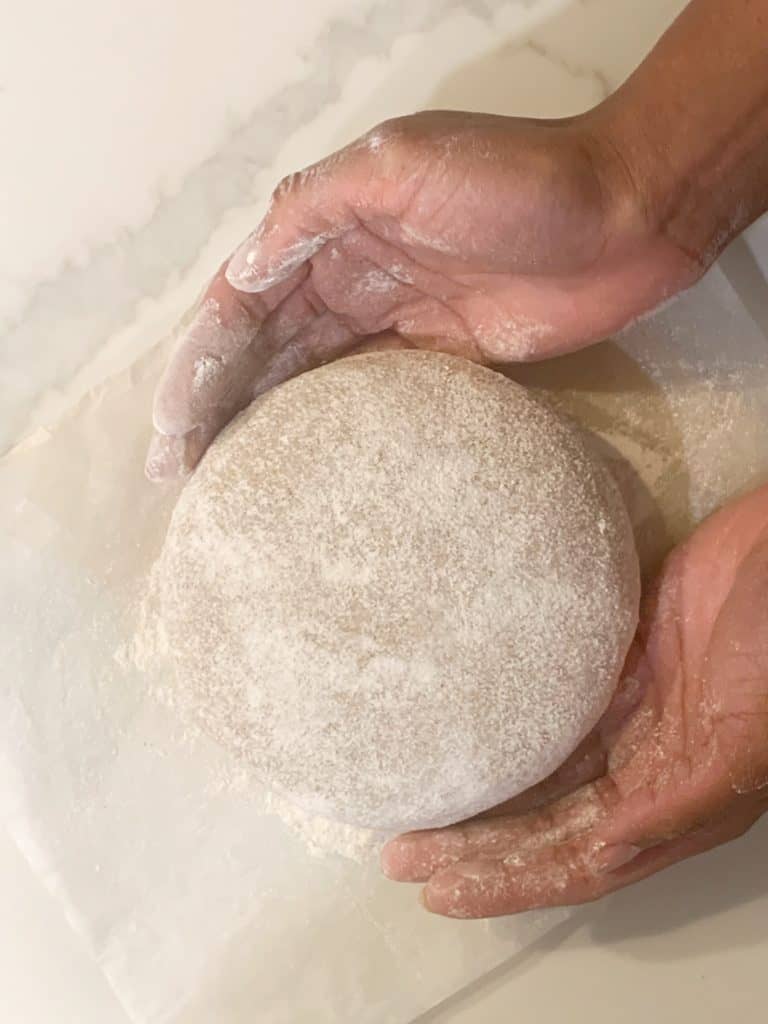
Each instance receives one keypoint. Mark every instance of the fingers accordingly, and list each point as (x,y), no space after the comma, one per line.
(416,856)
(322,339)
(238,345)
(210,374)
(169,458)
(555,875)
(196,378)
(564,801)
(739,654)
(585,764)
(313,206)
(204,371)
(588,762)
(560,875)
(554,857)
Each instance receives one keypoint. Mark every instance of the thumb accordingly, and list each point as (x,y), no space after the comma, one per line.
(369,178)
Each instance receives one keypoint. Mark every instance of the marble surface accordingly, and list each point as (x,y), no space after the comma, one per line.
(140,142)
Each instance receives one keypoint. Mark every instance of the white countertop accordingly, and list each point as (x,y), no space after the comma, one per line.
(139,143)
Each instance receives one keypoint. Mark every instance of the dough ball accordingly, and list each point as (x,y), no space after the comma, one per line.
(401,588)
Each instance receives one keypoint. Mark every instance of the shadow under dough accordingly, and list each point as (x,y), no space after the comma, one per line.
(691,893)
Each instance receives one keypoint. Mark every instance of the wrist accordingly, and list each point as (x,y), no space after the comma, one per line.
(674,193)
(690,128)
(654,252)
(629,198)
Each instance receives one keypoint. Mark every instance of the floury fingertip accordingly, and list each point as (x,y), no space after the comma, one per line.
(240,271)
(251,270)
(166,458)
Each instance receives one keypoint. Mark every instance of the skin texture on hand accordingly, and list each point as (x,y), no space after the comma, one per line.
(499,239)
(508,239)
(678,765)
(495,238)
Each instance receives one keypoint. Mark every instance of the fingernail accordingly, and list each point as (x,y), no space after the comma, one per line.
(240,269)
(165,458)
(389,860)
(460,890)
(611,858)
(251,269)
(414,857)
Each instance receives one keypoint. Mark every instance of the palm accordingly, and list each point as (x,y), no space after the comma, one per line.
(493,238)
(678,765)
(488,237)
(701,735)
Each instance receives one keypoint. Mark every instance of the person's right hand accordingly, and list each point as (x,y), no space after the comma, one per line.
(499,239)
(677,766)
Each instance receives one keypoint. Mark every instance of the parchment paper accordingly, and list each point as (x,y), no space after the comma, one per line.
(199,905)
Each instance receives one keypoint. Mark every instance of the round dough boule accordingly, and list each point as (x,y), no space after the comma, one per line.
(401,588)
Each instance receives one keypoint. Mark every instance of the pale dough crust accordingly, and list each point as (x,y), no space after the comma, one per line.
(400,587)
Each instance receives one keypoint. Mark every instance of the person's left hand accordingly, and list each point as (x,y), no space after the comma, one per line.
(498,239)
(678,765)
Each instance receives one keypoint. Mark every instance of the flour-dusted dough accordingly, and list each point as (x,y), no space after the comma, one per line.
(401,588)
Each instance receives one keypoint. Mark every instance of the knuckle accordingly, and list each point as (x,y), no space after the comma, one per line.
(607,793)
(391,127)
(286,185)
(392,132)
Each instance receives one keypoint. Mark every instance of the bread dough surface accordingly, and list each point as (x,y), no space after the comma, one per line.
(401,588)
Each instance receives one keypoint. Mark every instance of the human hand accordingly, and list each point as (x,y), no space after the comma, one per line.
(499,239)
(678,765)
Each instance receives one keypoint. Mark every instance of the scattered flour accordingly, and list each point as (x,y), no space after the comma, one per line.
(207,368)
(148,650)
(321,836)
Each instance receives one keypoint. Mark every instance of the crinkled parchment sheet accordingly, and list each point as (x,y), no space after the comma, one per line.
(199,904)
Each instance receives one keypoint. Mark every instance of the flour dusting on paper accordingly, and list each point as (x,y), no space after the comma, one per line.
(147,650)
